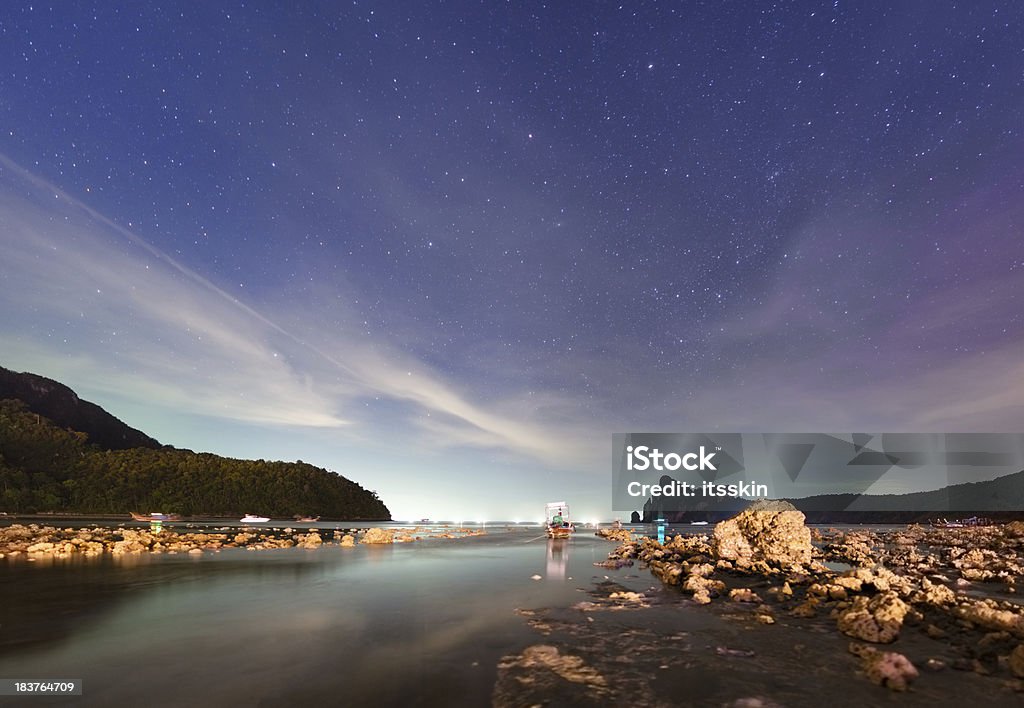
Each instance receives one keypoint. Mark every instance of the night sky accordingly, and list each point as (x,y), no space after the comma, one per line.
(447,249)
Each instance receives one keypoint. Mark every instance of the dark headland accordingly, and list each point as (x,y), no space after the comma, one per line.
(61,454)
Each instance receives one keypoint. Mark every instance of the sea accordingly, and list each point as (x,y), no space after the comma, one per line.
(427,623)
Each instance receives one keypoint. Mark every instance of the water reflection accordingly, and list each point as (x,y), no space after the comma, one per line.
(558,558)
(422,623)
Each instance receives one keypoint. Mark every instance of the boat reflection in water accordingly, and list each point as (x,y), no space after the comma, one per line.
(558,558)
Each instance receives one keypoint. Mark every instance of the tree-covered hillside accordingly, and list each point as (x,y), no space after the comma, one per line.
(47,468)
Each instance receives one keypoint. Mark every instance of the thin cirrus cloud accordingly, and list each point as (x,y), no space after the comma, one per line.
(92,302)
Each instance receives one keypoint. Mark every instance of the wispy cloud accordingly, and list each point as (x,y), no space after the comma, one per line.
(99,304)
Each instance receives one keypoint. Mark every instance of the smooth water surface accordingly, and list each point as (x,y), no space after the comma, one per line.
(420,624)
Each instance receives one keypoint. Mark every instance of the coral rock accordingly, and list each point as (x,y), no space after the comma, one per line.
(769,532)
(888,669)
(876,620)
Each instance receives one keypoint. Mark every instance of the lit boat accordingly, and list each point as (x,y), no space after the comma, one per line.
(556,518)
(968,523)
(252,519)
(155,517)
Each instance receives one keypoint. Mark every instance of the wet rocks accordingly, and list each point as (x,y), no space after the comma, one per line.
(36,542)
(992,615)
(769,532)
(889,669)
(920,577)
(378,536)
(743,595)
(310,540)
(934,594)
(541,671)
(877,619)
(621,535)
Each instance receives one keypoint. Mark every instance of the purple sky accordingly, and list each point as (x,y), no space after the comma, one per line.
(448,249)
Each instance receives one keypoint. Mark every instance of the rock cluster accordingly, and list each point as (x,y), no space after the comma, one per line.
(920,580)
(620,535)
(35,541)
(768,532)
(877,619)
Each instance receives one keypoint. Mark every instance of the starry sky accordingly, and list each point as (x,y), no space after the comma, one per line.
(448,248)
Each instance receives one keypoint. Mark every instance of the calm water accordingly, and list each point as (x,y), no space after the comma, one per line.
(420,624)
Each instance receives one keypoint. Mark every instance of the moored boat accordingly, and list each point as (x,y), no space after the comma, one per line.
(969,523)
(556,519)
(253,519)
(306,519)
(154,517)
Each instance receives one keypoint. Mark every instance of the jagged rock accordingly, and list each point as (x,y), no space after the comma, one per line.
(987,614)
(770,532)
(932,594)
(881,579)
(689,545)
(348,540)
(743,595)
(849,583)
(878,619)
(805,609)
(888,669)
(133,542)
(622,535)
(827,591)
(310,540)
(378,536)
(702,596)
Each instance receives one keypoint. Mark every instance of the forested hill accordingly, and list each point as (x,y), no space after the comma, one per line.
(63,406)
(46,467)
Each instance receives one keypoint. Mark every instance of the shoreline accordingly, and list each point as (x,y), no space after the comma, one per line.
(34,541)
(915,610)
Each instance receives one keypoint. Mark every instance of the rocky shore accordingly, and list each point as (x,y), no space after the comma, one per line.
(34,541)
(955,587)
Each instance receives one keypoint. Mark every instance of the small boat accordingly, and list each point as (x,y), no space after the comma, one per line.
(306,519)
(155,517)
(968,523)
(252,519)
(556,519)
(698,523)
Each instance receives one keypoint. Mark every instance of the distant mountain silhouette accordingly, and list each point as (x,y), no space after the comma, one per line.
(1000,498)
(63,407)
